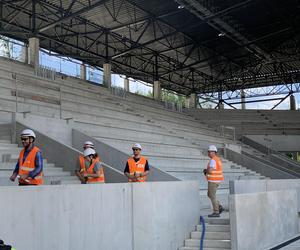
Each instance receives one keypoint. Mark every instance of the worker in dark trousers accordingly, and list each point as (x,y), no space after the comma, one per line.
(5,247)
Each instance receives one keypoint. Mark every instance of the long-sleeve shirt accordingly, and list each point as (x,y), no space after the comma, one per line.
(38,164)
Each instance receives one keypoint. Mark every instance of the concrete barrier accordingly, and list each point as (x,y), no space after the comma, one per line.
(110,217)
(254,186)
(262,220)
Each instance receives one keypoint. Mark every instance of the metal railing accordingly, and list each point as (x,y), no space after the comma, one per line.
(45,72)
(117,91)
(224,129)
(175,106)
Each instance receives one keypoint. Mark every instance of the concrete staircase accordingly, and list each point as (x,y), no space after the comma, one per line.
(9,154)
(217,235)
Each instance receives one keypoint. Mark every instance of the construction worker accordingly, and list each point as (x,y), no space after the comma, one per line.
(82,165)
(214,176)
(29,168)
(5,247)
(137,167)
(93,172)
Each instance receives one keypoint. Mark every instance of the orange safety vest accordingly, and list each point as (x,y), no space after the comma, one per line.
(82,164)
(137,167)
(29,165)
(90,170)
(217,174)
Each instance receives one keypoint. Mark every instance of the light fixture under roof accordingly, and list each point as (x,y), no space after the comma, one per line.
(180,7)
(221,34)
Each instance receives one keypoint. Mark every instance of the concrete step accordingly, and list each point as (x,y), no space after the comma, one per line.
(221,244)
(11,165)
(197,248)
(48,180)
(211,235)
(217,221)
(46,172)
(214,228)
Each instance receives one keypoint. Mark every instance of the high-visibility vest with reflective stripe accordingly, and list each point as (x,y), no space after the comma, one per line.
(29,165)
(137,167)
(90,170)
(82,163)
(216,175)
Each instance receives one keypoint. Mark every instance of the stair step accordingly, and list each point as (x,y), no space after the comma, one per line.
(217,221)
(222,244)
(214,228)
(211,235)
(197,248)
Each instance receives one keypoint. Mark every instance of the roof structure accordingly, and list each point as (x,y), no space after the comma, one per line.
(191,46)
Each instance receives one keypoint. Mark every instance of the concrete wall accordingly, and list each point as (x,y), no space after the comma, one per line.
(282,143)
(156,216)
(61,130)
(114,157)
(262,220)
(65,156)
(254,186)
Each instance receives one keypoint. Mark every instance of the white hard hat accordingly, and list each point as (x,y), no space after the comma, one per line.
(212,148)
(89,151)
(88,144)
(137,145)
(28,133)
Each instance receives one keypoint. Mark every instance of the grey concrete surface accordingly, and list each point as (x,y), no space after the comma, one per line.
(111,217)
(281,143)
(261,220)
(61,130)
(257,166)
(164,228)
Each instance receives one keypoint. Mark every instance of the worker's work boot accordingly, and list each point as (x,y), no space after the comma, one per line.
(214,215)
(221,209)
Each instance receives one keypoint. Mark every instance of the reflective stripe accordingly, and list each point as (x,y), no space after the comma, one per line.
(216,176)
(26,168)
(216,172)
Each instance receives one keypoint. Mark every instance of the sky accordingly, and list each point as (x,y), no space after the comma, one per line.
(72,67)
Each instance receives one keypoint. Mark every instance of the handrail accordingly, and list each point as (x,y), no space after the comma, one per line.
(202,222)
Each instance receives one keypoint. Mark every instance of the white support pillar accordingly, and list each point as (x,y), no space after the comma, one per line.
(292,102)
(34,51)
(157,90)
(126,84)
(191,101)
(107,75)
(243,99)
(82,72)
(221,105)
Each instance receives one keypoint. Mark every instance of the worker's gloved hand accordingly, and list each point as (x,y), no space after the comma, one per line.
(204,171)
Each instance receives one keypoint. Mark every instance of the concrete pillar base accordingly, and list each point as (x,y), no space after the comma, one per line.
(221,105)
(34,52)
(292,102)
(243,104)
(126,84)
(157,90)
(191,101)
(107,75)
(82,72)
